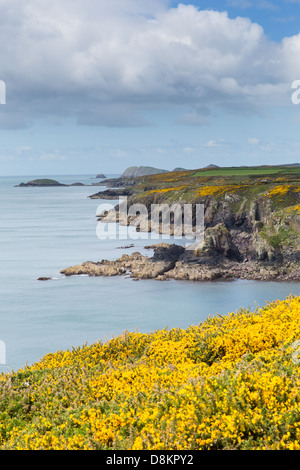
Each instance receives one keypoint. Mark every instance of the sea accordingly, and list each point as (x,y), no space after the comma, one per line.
(43,230)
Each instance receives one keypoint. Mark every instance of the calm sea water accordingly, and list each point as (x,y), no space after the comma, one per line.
(43,230)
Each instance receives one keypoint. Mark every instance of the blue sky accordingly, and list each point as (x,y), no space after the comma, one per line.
(279,18)
(97,86)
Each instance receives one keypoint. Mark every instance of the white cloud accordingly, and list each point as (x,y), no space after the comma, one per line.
(212,143)
(253,141)
(23,148)
(106,62)
(52,156)
(5,158)
(192,119)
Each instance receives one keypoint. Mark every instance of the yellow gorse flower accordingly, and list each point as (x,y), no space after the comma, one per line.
(282,189)
(229,383)
(218,190)
(166,190)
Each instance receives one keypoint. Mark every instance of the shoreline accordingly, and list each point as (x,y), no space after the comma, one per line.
(170,261)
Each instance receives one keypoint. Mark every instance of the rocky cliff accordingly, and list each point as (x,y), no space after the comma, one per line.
(252,224)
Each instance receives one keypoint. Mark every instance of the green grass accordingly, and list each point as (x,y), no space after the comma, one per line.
(233,171)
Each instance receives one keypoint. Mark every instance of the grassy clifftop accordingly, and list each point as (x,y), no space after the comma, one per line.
(192,185)
(281,184)
(229,383)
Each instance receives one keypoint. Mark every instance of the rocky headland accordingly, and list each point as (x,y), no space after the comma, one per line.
(251,218)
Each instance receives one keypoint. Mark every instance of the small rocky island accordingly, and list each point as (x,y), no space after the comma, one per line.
(50,183)
(43,182)
(251,217)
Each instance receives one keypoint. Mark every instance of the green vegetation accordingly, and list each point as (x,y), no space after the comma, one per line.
(278,238)
(45,182)
(248,171)
(247,183)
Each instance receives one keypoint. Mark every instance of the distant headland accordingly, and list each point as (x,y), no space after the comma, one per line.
(136,171)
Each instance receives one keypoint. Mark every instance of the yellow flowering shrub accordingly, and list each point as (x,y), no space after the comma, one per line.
(231,382)
(166,190)
(217,190)
(170,176)
(295,209)
(283,189)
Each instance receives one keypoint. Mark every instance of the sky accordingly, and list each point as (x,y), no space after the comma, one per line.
(93,86)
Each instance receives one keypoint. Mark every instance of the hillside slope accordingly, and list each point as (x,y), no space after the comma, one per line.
(229,383)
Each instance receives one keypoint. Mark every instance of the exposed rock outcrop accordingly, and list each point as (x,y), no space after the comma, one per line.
(136,265)
(175,262)
(111,194)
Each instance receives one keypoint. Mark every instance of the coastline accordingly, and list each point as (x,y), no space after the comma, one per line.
(251,226)
(56,310)
(170,261)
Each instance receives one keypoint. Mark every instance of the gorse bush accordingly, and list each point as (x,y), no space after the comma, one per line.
(229,383)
